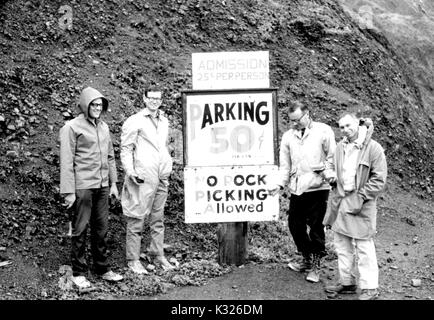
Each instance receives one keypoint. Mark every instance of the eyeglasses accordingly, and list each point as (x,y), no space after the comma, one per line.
(299,119)
(96,105)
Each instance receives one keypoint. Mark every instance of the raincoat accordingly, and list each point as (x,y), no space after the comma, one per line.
(144,154)
(86,151)
(355,214)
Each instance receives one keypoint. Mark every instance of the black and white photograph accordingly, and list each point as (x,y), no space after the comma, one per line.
(217,158)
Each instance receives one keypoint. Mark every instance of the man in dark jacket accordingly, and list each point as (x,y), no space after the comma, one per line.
(88,177)
(361,172)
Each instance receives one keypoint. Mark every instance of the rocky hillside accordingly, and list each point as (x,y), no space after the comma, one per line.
(408,25)
(319,54)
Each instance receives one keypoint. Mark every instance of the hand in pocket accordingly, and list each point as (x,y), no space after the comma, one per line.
(353,203)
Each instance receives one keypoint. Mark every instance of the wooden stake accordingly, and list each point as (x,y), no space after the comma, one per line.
(232,239)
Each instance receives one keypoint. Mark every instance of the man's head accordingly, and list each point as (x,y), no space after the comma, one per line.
(152,99)
(349,126)
(95,108)
(299,117)
(90,95)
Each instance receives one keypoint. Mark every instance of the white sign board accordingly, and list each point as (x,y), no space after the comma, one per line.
(227,128)
(229,194)
(230,70)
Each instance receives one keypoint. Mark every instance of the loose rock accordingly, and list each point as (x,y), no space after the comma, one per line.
(416,282)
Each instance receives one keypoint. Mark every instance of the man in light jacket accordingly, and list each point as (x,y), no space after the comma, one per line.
(147,164)
(88,177)
(361,172)
(306,155)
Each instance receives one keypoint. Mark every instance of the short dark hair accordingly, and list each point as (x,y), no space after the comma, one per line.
(146,92)
(294,105)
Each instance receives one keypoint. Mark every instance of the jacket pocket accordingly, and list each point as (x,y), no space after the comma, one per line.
(306,181)
(352,204)
(332,212)
(363,173)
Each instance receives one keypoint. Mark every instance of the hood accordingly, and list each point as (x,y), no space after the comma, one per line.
(86,97)
(369,125)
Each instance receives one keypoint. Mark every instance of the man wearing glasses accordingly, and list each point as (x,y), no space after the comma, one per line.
(147,164)
(306,155)
(88,177)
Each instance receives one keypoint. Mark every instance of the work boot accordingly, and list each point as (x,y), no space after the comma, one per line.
(340,288)
(112,276)
(136,267)
(81,282)
(313,275)
(163,263)
(300,264)
(369,294)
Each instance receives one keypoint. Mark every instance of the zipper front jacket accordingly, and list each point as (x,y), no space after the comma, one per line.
(86,150)
(301,155)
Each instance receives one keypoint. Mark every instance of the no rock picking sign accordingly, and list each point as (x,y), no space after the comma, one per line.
(220,194)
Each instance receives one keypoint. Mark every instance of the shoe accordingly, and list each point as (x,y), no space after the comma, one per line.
(136,267)
(81,282)
(112,276)
(163,263)
(339,288)
(313,275)
(300,265)
(369,294)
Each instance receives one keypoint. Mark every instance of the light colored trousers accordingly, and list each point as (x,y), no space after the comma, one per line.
(347,250)
(156,223)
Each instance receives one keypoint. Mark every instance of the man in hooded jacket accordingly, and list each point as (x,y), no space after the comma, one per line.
(147,164)
(88,177)
(361,172)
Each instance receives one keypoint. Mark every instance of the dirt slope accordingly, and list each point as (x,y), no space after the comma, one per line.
(318,54)
(408,25)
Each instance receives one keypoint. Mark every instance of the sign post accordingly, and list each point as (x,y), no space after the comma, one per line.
(230,147)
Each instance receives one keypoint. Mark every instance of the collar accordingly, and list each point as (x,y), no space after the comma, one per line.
(146,112)
(83,116)
(306,131)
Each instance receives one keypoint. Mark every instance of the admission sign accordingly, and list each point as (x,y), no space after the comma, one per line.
(230,70)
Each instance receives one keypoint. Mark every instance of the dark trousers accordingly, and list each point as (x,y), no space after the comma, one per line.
(91,207)
(308,209)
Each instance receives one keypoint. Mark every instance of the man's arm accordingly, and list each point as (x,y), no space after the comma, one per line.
(67,155)
(378,175)
(329,147)
(128,141)
(285,162)
(113,174)
(283,175)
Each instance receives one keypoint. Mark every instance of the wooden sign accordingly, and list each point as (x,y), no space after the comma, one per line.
(227,127)
(229,194)
(230,70)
